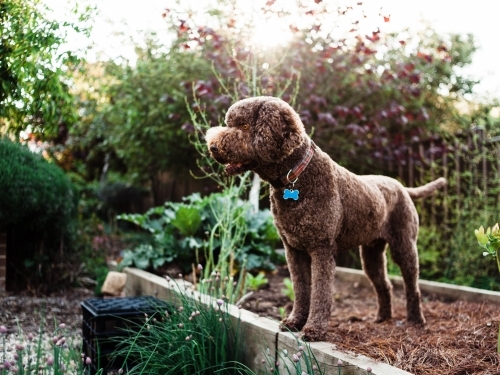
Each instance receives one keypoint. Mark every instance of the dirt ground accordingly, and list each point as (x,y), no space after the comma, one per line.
(25,310)
(459,337)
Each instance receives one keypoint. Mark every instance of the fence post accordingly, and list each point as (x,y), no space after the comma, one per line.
(498,169)
(410,165)
(445,190)
(433,198)
(457,171)
(485,166)
(421,154)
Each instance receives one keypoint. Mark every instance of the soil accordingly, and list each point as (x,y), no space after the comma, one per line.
(459,338)
(26,310)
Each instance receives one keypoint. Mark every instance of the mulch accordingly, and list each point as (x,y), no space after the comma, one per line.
(459,337)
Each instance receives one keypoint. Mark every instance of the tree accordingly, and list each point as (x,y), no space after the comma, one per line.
(35,68)
(135,117)
(364,96)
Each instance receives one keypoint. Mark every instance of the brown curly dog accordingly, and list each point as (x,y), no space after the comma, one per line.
(320,208)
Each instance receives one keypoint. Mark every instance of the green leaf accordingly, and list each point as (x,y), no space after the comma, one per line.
(187,220)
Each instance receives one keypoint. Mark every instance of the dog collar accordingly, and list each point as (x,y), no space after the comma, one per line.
(294,173)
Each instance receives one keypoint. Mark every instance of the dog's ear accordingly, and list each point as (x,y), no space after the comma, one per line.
(279,130)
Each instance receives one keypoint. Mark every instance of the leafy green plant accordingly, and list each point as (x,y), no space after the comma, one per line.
(288,291)
(197,230)
(490,241)
(256,282)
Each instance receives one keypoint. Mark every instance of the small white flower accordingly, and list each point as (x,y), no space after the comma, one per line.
(485,253)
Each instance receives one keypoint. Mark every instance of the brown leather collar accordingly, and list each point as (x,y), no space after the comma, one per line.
(295,172)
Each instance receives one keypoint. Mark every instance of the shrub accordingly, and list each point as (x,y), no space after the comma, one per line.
(38,206)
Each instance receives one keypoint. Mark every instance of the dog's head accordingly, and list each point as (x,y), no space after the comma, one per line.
(259,131)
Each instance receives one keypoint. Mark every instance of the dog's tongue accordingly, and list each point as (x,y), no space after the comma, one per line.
(234,168)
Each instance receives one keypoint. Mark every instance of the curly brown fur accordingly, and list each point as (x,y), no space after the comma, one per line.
(336,211)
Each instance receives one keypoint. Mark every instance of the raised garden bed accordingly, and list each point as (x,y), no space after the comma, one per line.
(460,337)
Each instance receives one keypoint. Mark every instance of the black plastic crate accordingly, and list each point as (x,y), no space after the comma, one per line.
(106,319)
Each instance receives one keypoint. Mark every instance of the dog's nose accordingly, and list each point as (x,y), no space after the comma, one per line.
(213,148)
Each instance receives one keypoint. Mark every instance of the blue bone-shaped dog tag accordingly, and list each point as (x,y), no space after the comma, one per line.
(291,194)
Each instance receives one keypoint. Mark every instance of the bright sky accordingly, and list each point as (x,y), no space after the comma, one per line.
(479,17)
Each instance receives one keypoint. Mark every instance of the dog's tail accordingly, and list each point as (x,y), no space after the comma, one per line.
(427,189)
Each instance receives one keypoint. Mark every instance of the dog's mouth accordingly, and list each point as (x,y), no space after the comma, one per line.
(237,168)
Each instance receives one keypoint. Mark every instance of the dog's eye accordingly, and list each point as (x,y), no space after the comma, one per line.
(245,127)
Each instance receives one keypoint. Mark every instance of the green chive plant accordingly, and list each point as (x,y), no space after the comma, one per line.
(28,354)
(198,336)
(202,334)
(302,362)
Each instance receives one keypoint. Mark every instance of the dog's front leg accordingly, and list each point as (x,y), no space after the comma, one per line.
(299,264)
(322,274)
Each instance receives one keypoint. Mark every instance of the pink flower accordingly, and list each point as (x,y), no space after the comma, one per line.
(3,329)
(88,361)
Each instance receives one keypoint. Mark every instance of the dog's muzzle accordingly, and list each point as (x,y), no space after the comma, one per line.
(232,168)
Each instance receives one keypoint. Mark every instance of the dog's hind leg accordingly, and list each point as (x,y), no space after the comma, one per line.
(405,255)
(374,263)
(299,264)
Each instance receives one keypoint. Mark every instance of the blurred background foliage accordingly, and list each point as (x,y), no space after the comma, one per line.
(117,128)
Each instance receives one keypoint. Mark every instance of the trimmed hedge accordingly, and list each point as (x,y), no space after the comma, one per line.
(33,192)
(38,206)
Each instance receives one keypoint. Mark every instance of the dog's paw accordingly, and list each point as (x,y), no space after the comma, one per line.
(382,318)
(311,333)
(416,320)
(291,324)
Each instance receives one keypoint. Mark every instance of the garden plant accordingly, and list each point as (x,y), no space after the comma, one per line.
(490,241)
(28,354)
(203,334)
